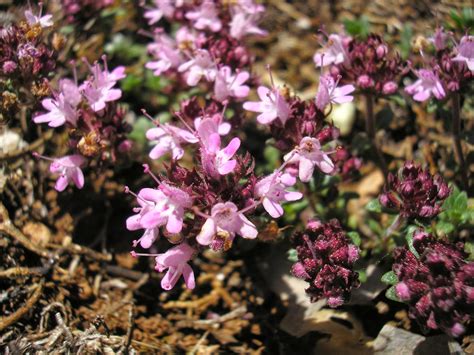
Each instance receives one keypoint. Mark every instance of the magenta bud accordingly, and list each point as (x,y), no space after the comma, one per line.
(381,51)
(9,67)
(365,82)
(389,88)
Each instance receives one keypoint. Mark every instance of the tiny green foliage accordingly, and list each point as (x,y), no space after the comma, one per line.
(389,278)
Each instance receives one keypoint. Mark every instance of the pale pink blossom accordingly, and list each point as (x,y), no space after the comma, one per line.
(207,125)
(226,220)
(272,105)
(98,90)
(134,222)
(273,191)
(309,155)
(334,52)
(165,51)
(198,66)
(440,39)
(189,38)
(43,21)
(175,260)
(162,8)
(160,207)
(428,84)
(169,138)
(206,16)
(63,108)
(229,85)
(329,92)
(244,21)
(217,161)
(465,52)
(69,170)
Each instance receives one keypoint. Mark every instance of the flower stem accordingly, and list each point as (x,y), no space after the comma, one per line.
(370,129)
(456,102)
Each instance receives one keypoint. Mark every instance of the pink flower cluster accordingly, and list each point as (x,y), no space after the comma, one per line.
(326,257)
(450,69)
(88,109)
(212,201)
(414,192)
(438,283)
(207,45)
(366,63)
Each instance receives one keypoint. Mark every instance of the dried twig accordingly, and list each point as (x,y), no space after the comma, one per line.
(7,227)
(18,314)
(28,149)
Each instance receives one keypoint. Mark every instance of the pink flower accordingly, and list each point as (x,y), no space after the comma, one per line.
(271,106)
(63,108)
(328,92)
(175,260)
(208,125)
(205,16)
(199,66)
(134,222)
(334,53)
(465,52)
(245,22)
(99,89)
(43,21)
(159,207)
(169,139)
(164,49)
(227,84)
(427,84)
(273,190)
(309,155)
(440,38)
(227,220)
(162,8)
(69,169)
(217,161)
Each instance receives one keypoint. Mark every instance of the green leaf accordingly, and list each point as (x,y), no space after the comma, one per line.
(374,206)
(406,37)
(389,278)
(355,237)
(292,255)
(444,228)
(392,295)
(359,27)
(362,275)
(469,249)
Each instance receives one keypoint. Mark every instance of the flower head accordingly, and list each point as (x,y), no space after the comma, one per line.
(335,51)
(272,105)
(200,66)
(228,85)
(465,52)
(175,260)
(326,258)
(63,108)
(217,161)
(437,284)
(310,155)
(414,192)
(159,207)
(273,190)
(329,92)
(244,21)
(162,8)
(169,138)
(206,16)
(165,52)
(226,221)
(428,84)
(43,21)
(98,90)
(68,168)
